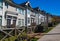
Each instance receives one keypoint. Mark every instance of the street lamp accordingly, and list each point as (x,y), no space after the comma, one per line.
(26,14)
(26,17)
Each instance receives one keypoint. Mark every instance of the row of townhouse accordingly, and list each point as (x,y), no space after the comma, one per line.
(20,15)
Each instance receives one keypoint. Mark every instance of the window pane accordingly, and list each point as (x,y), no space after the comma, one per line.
(19,10)
(22,22)
(19,22)
(23,12)
(8,23)
(28,20)
(28,11)
(1,4)
(6,4)
(9,17)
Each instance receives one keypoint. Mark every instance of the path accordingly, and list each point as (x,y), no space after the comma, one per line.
(53,35)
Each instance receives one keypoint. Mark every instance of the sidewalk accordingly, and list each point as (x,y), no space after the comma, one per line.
(53,35)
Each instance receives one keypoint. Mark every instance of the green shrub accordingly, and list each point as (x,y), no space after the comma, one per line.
(34,39)
(48,30)
(6,39)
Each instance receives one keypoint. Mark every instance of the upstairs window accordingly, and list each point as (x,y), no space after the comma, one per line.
(22,12)
(19,10)
(28,11)
(6,4)
(1,4)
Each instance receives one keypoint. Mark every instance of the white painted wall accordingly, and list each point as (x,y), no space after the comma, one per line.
(12,9)
(49,19)
(1,11)
(3,15)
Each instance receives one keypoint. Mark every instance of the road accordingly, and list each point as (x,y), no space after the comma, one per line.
(53,35)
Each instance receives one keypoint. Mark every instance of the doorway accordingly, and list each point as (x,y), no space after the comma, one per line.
(14,23)
(8,23)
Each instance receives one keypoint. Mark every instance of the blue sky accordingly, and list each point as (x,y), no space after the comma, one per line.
(50,6)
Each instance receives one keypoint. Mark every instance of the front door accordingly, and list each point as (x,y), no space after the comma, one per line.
(14,23)
(8,23)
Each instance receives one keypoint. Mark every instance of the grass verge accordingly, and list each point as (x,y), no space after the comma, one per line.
(49,29)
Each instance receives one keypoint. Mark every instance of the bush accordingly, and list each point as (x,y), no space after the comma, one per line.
(39,28)
(1,35)
(50,24)
(48,30)
(34,39)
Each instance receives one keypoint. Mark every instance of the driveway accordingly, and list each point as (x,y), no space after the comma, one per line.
(53,35)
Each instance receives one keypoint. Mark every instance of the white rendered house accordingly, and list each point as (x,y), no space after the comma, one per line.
(10,14)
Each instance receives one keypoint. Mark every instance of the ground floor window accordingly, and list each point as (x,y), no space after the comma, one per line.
(8,23)
(22,22)
(14,23)
(19,22)
(28,20)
